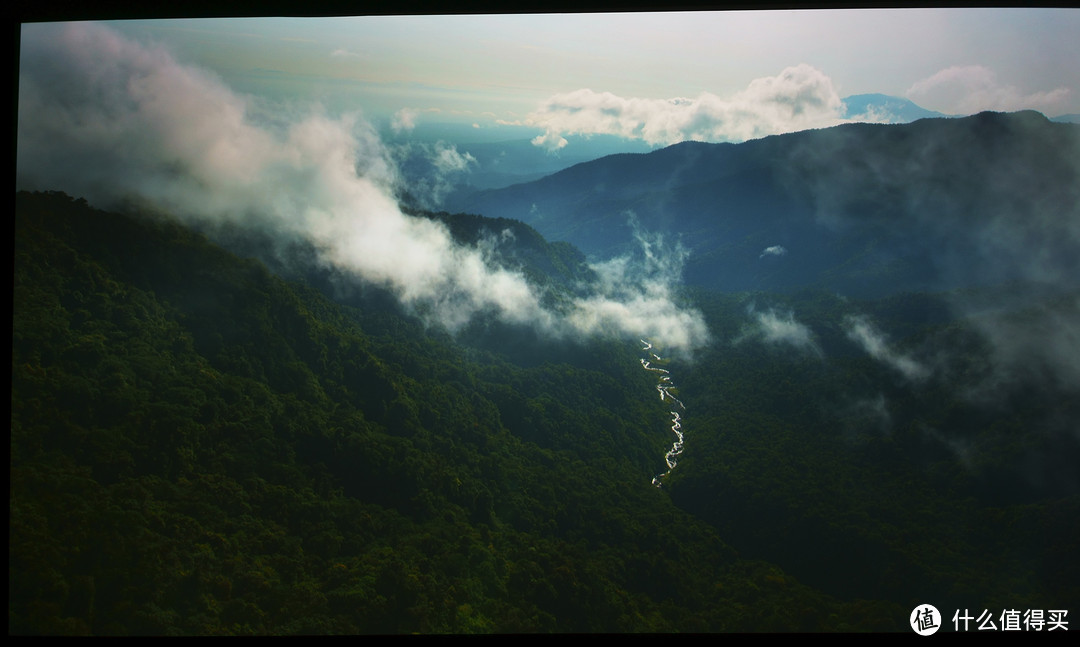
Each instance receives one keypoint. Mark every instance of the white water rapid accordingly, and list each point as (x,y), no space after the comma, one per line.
(664,386)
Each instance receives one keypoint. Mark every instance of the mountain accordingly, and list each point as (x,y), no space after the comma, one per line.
(862,209)
(200,445)
(435,168)
(885,109)
(503,163)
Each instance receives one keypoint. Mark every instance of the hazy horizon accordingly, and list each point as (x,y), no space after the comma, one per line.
(660,77)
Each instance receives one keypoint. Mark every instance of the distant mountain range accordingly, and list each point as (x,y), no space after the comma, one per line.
(862,209)
(886,109)
(505,155)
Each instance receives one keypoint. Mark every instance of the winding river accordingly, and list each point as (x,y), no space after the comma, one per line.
(664,386)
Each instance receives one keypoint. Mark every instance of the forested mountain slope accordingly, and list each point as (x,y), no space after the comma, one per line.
(199,447)
(934,470)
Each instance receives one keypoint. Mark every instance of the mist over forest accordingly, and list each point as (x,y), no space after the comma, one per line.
(295,372)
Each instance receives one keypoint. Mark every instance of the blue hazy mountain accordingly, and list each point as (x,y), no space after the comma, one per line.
(866,209)
(885,109)
(488,158)
(509,162)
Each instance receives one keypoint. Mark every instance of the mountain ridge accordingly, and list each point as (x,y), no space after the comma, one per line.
(829,197)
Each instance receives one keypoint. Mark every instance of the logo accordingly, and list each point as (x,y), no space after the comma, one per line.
(925,619)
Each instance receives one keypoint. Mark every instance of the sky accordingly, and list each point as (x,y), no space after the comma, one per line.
(655,76)
(280,124)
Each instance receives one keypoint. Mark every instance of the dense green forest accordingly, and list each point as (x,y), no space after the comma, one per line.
(862,483)
(200,445)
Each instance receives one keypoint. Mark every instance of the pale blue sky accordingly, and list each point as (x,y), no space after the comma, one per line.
(483,68)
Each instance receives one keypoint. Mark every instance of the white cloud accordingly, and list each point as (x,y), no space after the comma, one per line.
(873,341)
(634,296)
(968,89)
(435,170)
(773,328)
(878,115)
(448,160)
(404,120)
(775,250)
(549,141)
(798,98)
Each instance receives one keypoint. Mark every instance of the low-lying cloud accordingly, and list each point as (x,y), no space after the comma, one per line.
(117,122)
(1032,343)
(431,171)
(775,250)
(774,328)
(873,341)
(799,98)
(404,120)
(635,294)
(967,89)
